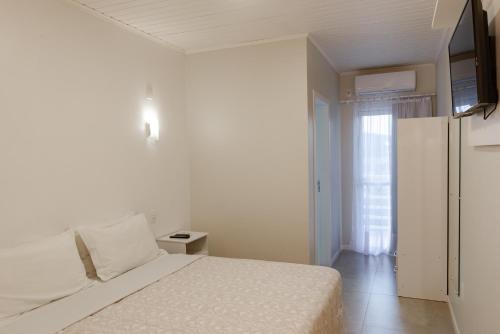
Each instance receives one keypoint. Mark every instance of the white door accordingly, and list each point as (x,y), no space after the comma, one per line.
(322,177)
(422,207)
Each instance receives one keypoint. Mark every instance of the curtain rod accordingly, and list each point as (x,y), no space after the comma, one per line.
(386,98)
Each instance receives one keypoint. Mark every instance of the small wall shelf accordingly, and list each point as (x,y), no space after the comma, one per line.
(197,244)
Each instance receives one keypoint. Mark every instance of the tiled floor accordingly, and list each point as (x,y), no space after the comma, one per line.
(371,305)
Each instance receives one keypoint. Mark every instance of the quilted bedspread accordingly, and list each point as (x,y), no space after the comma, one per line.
(220,295)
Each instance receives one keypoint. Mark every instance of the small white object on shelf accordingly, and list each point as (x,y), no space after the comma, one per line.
(197,244)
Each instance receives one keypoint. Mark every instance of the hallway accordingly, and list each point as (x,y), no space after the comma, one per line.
(371,305)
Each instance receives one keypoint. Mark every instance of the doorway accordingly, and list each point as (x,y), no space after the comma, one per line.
(322,182)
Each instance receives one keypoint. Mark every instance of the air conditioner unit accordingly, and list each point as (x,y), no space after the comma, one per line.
(393,82)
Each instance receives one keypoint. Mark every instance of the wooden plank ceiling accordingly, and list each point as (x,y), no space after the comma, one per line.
(354,34)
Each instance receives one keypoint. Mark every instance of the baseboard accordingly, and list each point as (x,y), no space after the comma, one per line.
(335,257)
(453,318)
(346,247)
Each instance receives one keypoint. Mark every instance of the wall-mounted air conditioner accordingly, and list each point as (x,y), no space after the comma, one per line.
(393,82)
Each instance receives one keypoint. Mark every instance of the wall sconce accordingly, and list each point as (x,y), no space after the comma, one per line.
(150,117)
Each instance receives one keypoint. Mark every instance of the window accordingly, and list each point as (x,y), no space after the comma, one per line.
(373,178)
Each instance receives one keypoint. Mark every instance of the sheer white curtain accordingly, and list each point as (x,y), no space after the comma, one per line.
(372,173)
(413,107)
(375,171)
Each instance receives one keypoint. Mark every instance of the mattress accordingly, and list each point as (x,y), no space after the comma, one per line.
(220,295)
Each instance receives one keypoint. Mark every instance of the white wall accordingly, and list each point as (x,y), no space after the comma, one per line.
(426,83)
(74,149)
(72,144)
(476,308)
(323,79)
(247,116)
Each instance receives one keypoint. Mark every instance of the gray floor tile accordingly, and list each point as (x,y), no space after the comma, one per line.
(353,283)
(386,263)
(371,305)
(408,315)
(380,330)
(356,269)
(353,327)
(355,305)
(352,258)
(385,283)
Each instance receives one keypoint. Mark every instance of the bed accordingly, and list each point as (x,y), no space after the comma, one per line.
(198,294)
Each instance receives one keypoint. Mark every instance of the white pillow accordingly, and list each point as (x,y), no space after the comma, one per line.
(37,273)
(84,252)
(118,248)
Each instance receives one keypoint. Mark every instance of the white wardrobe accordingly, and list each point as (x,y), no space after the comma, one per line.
(422,208)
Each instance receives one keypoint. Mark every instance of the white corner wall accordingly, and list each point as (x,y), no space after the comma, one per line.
(475,310)
(72,141)
(247,116)
(323,79)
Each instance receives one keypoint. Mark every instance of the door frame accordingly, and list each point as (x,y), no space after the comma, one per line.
(313,177)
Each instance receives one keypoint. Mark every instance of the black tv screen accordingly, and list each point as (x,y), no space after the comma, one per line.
(473,82)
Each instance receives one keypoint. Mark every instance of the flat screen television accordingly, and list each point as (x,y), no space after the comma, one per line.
(472,63)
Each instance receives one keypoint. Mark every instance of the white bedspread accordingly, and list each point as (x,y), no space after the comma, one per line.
(57,315)
(219,295)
